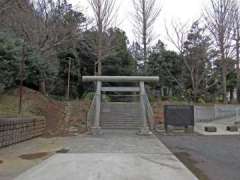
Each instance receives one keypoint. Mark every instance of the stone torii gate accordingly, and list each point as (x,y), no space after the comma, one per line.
(94,115)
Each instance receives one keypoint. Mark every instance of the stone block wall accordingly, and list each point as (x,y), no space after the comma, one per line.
(15,130)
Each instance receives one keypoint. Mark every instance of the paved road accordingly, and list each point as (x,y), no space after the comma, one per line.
(210,157)
(118,155)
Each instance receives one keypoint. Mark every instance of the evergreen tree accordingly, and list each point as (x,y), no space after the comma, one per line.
(120,61)
(11,53)
(167,65)
(198,60)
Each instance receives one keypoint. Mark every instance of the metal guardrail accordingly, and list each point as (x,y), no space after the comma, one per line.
(91,113)
(222,113)
(216,113)
(149,112)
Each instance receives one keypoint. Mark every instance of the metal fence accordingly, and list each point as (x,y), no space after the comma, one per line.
(91,113)
(13,130)
(149,112)
(217,113)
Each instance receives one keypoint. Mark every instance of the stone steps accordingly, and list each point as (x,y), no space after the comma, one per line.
(123,121)
(121,116)
(122,127)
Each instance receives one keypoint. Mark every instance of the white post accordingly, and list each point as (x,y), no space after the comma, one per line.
(237,109)
(145,128)
(96,129)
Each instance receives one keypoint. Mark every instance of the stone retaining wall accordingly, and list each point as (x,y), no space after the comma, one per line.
(15,130)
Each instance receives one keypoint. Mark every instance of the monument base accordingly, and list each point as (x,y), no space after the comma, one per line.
(96,131)
(144,132)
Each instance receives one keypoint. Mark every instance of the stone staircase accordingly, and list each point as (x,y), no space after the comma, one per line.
(120,115)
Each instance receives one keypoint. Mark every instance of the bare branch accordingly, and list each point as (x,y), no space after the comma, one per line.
(146,14)
(177,34)
(105,14)
(219,19)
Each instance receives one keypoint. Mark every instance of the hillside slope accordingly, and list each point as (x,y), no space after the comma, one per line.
(61,120)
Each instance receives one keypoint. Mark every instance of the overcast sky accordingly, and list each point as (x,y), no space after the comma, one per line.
(172,10)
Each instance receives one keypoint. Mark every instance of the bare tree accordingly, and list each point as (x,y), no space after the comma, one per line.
(104,14)
(43,26)
(194,47)
(219,20)
(198,57)
(177,34)
(5,4)
(146,14)
(236,39)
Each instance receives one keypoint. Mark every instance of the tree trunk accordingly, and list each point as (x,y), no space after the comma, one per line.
(99,58)
(224,74)
(194,96)
(99,67)
(99,53)
(21,80)
(238,66)
(231,95)
(194,88)
(144,32)
(95,68)
(69,78)
(43,87)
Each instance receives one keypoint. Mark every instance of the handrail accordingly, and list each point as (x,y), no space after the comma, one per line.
(91,113)
(149,112)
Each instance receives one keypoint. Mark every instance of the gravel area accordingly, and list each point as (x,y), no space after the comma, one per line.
(208,157)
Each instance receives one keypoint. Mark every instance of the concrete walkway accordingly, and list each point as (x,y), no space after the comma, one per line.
(117,155)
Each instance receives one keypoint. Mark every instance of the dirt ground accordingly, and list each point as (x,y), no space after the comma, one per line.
(62,118)
(208,157)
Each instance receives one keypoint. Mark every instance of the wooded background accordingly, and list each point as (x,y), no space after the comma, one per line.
(47,45)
